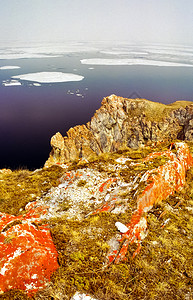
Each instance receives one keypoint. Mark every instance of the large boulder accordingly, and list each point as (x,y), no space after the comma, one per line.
(28,256)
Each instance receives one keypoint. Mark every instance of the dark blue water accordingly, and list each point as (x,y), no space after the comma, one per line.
(30,115)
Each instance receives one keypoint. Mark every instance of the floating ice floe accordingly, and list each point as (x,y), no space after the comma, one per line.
(42,50)
(49,77)
(25,55)
(9,67)
(132,61)
(168,51)
(124,52)
(36,84)
(11,83)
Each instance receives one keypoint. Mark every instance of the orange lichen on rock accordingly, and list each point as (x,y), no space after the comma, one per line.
(106,184)
(28,256)
(163,182)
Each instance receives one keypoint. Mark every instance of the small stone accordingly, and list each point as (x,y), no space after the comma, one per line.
(81,296)
(121,227)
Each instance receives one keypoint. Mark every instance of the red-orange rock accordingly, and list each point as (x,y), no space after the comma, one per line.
(28,256)
(164,181)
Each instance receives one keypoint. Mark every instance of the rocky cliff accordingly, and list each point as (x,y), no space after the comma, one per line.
(120,123)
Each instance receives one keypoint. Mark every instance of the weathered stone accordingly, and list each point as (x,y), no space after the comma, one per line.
(28,256)
(120,123)
(163,182)
(82,296)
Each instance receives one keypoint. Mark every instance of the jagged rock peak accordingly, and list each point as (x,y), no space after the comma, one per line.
(120,123)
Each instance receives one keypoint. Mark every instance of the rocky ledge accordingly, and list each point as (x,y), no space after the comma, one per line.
(121,123)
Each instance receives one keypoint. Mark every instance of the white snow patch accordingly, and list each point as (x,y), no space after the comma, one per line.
(9,67)
(49,77)
(131,61)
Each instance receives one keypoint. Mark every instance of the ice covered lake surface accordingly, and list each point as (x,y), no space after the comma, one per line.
(33,108)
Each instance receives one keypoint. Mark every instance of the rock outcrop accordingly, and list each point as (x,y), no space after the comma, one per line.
(161,183)
(120,123)
(27,253)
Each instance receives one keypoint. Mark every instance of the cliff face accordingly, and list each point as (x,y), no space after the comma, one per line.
(120,123)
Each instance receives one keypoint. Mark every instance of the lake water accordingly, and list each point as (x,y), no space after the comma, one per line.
(30,115)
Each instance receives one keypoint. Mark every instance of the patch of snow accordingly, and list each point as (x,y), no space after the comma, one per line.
(9,67)
(131,61)
(49,77)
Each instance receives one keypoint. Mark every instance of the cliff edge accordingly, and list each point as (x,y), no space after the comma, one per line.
(123,123)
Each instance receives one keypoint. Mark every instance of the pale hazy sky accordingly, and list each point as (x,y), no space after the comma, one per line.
(159,21)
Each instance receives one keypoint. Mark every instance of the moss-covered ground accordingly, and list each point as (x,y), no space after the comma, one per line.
(22,186)
(162,270)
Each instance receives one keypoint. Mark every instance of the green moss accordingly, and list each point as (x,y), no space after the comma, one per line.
(14,295)
(22,186)
(81,183)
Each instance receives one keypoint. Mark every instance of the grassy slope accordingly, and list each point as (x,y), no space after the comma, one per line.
(162,270)
(158,111)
